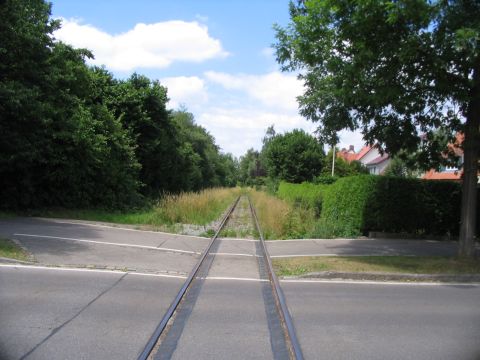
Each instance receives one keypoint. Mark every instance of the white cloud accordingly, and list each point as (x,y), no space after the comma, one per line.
(268,52)
(275,90)
(237,130)
(348,138)
(145,46)
(201,18)
(190,90)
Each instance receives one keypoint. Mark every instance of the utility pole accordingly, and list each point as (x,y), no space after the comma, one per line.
(333,161)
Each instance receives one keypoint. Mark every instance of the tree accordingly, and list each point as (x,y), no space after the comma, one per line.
(228,170)
(294,157)
(60,146)
(393,70)
(203,164)
(140,104)
(251,167)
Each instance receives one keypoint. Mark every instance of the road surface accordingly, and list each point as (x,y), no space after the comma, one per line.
(71,312)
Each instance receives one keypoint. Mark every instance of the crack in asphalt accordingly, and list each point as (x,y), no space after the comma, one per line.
(163,242)
(58,328)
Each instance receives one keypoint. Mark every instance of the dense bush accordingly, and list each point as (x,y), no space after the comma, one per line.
(325,180)
(358,204)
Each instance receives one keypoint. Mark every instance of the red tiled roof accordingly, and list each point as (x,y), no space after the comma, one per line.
(347,156)
(350,156)
(449,175)
(363,151)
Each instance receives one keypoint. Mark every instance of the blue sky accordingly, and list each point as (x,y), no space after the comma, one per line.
(214,56)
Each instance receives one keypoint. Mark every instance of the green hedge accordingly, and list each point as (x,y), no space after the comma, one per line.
(358,204)
(306,194)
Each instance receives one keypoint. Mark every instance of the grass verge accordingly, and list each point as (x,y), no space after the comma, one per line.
(199,208)
(9,249)
(389,264)
(6,215)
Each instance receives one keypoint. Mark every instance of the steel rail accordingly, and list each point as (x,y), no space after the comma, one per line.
(173,306)
(278,294)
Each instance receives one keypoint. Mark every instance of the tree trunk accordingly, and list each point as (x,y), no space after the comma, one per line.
(471,147)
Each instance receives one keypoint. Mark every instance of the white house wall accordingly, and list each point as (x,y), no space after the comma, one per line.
(371,155)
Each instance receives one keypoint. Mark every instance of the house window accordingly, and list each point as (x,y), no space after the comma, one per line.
(454,168)
(451,168)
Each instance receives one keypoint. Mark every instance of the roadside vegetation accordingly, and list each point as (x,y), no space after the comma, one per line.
(8,249)
(354,206)
(351,84)
(74,136)
(279,219)
(198,208)
(388,264)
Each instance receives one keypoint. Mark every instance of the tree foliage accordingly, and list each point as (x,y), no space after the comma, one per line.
(251,168)
(394,70)
(59,145)
(74,136)
(203,164)
(293,157)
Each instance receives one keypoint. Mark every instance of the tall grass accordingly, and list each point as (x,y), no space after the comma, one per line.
(195,208)
(279,219)
(199,208)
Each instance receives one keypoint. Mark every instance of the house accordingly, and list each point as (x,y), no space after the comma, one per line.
(348,155)
(369,156)
(452,173)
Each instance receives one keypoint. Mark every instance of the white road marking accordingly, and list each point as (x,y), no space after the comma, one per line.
(102,271)
(109,243)
(344,255)
(306,281)
(122,228)
(106,271)
(232,254)
(370,282)
(312,240)
(234,278)
(158,275)
(361,239)
(237,239)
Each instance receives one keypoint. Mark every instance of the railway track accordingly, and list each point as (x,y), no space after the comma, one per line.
(181,305)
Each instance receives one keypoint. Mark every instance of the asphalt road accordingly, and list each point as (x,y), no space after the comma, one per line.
(57,242)
(380,321)
(230,314)
(57,314)
(72,314)
(79,243)
(100,232)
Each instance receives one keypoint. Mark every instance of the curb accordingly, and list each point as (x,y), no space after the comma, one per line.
(379,276)
(92,267)
(4,260)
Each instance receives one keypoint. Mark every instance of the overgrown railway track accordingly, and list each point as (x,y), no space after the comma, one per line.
(197,274)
